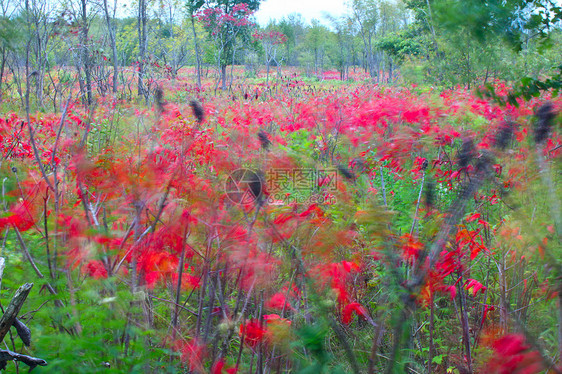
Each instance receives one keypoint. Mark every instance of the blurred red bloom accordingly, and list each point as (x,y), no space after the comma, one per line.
(253,332)
(193,353)
(278,301)
(20,216)
(514,355)
(220,368)
(348,310)
(95,269)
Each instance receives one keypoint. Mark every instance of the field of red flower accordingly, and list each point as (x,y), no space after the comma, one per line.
(290,228)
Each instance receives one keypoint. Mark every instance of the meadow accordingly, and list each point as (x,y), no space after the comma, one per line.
(306,225)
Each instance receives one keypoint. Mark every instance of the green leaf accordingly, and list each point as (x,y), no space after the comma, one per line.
(437,360)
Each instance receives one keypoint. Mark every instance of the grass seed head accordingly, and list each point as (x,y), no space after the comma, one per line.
(263,137)
(504,135)
(466,153)
(159,98)
(198,111)
(347,174)
(545,114)
(430,195)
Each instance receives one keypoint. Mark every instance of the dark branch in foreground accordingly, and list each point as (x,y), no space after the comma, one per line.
(32,362)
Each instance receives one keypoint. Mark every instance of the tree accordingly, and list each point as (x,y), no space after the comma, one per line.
(10,33)
(293,28)
(84,50)
(474,40)
(316,40)
(270,41)
(142,31)
(36,21)
(193,6)
(226,20)
(171,37)
(344,36)
(110,22)
(366,15)
(510,19)
(391,20)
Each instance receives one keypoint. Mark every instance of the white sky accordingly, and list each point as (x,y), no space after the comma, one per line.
(309,9)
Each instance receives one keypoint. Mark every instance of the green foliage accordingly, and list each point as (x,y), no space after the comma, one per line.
(402,44)
(471,42)
(509,19)
(92,332)
(527,89)
(11,32)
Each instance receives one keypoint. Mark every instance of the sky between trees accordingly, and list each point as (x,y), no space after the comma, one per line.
(309,9)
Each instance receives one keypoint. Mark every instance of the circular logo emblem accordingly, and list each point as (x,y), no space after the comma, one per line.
(243,186)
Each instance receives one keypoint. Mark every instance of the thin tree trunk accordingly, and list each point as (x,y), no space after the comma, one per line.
(560,323)
(503,295)
(431,328)
(85,55)
(141,29)
(464,322)
(267,72)
(2,65)
(28,46)
(111,32)
(223,76)
(38,90)
(197,54)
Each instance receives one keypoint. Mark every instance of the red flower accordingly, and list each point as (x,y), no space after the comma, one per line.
(473,217)
(20,216)
(252,332)
(513,355)
(278,301)
(475,285)
(193,353)
(95,269)
(411,247)
(220,367)
(348,310)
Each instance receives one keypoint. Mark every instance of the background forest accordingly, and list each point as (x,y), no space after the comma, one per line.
(417,41)
(185,191)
